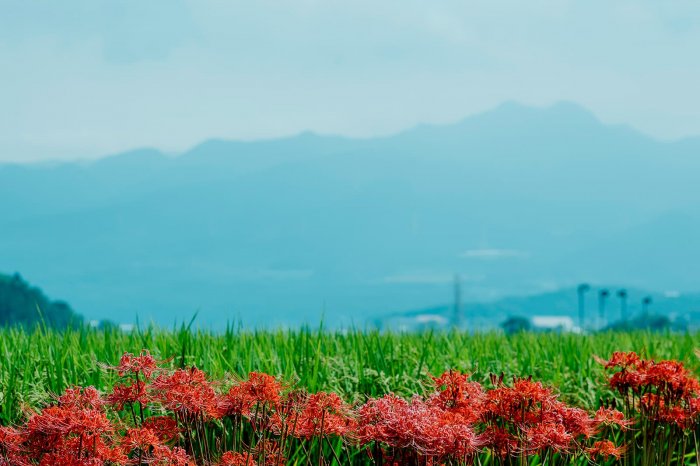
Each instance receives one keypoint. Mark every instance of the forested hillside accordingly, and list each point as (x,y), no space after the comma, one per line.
(26,305)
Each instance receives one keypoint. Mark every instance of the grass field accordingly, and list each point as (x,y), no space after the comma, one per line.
(353,364)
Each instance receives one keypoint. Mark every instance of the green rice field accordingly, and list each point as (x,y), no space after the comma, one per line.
(355,364)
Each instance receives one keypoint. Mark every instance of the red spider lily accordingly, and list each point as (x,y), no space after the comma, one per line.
(500,441)
(237,402)
(263,388)
(673,378)
(236,459)
(632,371)
(527,418)
(187,392)
(84,450)
(61,460)
(270,452)
(164,456)
(123,394)
(626,380)
(387,420)
(323,414)
(524,402)
(684,415)
(260,389)
(668,377)
(293,402)
(612,417)
(145,445)
(81,398)
(680,416)
(285,416)
(70,459)
(667,388)
(652,402)
(606,449)
(662,397)
(415,425)
(143,364)
(547,435)
(11,447)
(456,393)
(45,430)
(165,427)
(694,408)
(451,425)
(451,436)
(140,439)
(77,422)
(526,389)
(622,360)
(576,421)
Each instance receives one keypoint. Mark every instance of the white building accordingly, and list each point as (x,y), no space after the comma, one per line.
(553,324)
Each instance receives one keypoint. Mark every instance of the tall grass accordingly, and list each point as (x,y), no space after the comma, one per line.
(354,364)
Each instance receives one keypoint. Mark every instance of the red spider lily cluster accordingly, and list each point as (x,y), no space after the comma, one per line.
(662,401)
(154,416)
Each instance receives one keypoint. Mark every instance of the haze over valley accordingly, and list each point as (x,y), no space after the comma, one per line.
(516,201)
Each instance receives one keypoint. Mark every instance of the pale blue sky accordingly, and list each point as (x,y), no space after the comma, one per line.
(87,78)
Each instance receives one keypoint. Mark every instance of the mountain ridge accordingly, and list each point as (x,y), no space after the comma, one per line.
(229,226)
(509,110)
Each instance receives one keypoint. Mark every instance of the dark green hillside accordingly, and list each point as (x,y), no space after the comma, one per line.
(26,305)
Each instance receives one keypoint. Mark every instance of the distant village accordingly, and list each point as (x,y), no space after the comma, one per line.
(582,309)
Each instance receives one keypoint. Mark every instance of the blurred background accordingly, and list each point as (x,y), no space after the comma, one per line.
(396,164)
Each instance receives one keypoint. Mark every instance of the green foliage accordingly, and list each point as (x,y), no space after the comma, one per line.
(24,305)
(515,324)
(355,364)
(39,362)
(653,322)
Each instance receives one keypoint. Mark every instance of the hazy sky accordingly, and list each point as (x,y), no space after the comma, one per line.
(88,78)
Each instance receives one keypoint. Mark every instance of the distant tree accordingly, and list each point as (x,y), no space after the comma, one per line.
(106,324)
(515,324)
(646,302)
(658,322)
(602,297)
(581,290)
(27,306)
(622,294)
(653,322)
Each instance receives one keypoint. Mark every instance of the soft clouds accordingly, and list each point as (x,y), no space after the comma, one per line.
(125,31)
(86,78)
(492,254)
(430,278)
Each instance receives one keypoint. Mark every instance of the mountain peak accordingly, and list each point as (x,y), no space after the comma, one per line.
(561,110)
(516,119)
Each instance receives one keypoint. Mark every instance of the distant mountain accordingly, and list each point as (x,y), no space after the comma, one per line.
(517,200)
(24,305)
